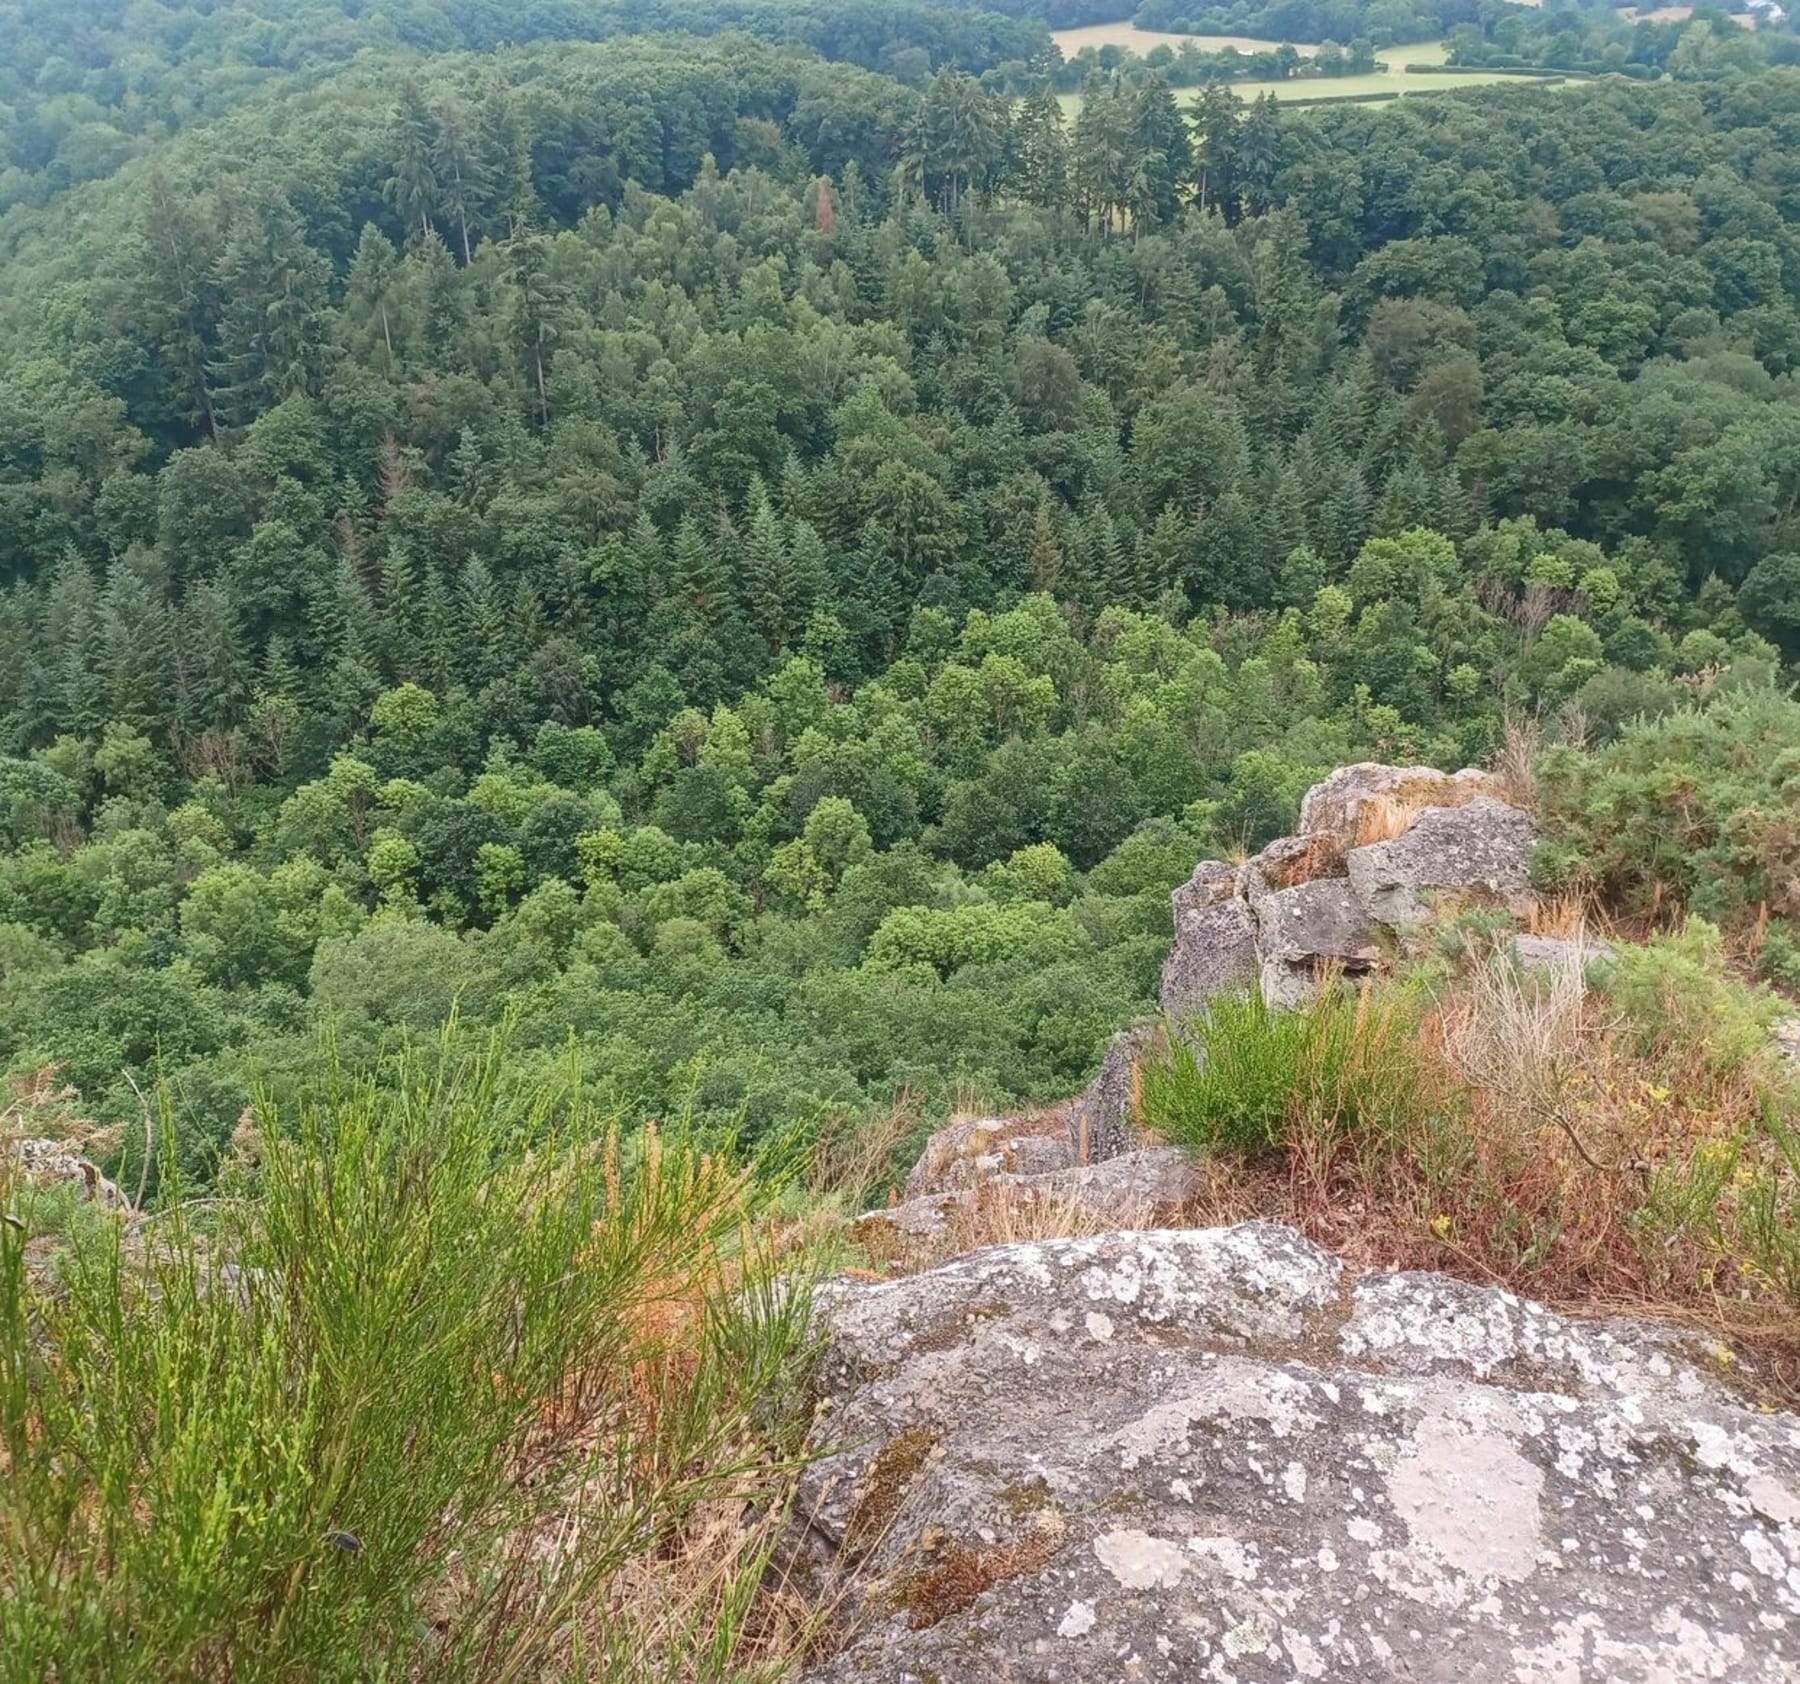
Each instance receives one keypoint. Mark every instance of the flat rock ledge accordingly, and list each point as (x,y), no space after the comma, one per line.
(1215,1455)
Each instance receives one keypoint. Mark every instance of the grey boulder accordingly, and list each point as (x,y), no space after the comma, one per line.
(1211,1455)
(1214,949)
(1481,848)
(1310,931)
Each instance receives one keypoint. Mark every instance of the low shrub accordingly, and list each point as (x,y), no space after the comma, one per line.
(1247,1079)
(1612,1132)
(448,1384)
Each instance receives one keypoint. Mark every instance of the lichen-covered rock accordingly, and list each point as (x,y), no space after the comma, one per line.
(1175,1456)
(1215,940)
(1335,807)
(1482,847)
(974,1149)
(1308,931)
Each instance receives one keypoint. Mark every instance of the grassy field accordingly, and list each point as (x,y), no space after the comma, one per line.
(1140,41)
(1393,80)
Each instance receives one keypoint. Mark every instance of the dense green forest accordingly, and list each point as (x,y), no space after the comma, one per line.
(772,568)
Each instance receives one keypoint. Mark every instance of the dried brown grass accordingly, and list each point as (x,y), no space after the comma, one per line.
(1515,761)
(1382,818)
(1544,1148)
(855,1155)
(994,1213)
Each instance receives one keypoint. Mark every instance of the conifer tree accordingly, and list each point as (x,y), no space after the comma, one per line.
(137,646)
(1040,163)
(412,188)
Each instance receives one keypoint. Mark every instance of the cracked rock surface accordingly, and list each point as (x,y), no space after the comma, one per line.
(1215,1455)
(1319,904)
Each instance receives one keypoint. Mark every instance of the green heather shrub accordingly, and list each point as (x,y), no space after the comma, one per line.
(324,1426)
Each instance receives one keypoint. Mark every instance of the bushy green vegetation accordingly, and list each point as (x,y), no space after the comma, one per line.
(347,1419)
(582,538)
(1698,810)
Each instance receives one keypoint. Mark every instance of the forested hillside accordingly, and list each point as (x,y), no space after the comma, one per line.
(625,624)
(774,570)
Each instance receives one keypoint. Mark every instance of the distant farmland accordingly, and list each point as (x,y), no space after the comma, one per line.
(1140,41)
(1393,80)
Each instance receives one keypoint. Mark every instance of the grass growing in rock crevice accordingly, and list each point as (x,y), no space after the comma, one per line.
(448,1385)
(1618,1138)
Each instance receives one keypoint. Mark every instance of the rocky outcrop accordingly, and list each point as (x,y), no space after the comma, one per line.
(1378,847)
(1482,848)
(1325,902)
(975,1149)
(1215,1455)
(51,1163)
(1309,931)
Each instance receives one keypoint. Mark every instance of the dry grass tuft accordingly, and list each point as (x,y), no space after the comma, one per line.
(1382,818)
(995,1213)
(855,1155)
(1515,762)
(1566,917)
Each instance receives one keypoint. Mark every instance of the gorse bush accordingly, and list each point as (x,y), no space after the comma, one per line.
(441,1387)
(1696,811)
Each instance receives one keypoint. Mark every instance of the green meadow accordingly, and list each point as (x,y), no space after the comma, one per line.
(1394,78)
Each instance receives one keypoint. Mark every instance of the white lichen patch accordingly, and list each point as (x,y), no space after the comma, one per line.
(1138,1560)
(1773,1499)
(1078,1621)
(1237,1558)
(1471,1499)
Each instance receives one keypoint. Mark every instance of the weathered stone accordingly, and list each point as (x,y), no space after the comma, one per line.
(1335,807)
(1135,1188)
(1213,883)
(48,1163)
(1483,847)
(1199,1456)
(1308,931)
(1546,953)
(975,1149)
(1213,953)
(1787,1039)
(1287,862)
(1103,1121)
